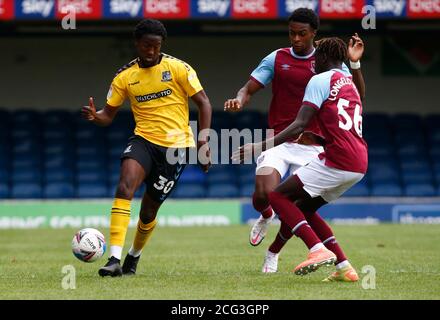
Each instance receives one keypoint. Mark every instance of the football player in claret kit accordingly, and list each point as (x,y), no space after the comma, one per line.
(158,87)
(332,99)
(288,70)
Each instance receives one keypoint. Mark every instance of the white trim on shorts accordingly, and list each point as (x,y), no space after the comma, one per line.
(287,156)
(329,183)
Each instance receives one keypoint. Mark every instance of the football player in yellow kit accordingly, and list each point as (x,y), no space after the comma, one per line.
(158,87)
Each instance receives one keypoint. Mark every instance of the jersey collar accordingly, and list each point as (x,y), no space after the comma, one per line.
(302,57)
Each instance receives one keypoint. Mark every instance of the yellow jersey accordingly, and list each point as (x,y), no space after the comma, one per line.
(159,99)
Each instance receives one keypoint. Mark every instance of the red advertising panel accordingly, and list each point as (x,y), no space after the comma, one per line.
(84,9)
(341,9)
(167,9)
(254,9)
(6,9)
(423,9)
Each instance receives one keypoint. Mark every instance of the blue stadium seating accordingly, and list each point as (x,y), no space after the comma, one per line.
(59,190)
(223,190)
(55,154)
(189,190)
(26,191)
(4,190)
(420,190)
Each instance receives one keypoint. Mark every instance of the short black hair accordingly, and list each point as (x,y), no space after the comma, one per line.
(333,48)
(305,15)
(150,26)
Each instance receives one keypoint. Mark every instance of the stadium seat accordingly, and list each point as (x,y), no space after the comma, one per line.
(59,175)
(59,190)
(4,174)
(386,190)
(247,190)
(4,190)
(189,190)
(224,190)
(92,190)
(360,189)
(91,176)
(26,176)
(419,190)
(192,174)
(26,191)
(221,177)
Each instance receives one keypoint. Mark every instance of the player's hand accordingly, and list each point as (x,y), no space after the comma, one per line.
(355,48)
(204,155)
(245,152)
(233,105)
(89,112)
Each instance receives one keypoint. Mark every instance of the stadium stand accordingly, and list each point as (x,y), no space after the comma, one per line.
(55,154)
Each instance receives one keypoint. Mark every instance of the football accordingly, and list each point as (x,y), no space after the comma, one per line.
(88,245)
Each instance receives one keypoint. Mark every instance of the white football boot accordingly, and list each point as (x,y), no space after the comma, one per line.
(270,264)
(259,230)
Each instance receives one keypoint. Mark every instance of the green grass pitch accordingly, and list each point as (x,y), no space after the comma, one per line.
(218,263)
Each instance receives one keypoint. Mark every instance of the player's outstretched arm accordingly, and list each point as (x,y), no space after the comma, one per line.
(243,97)
(205,113)
(305,115)
(103,117)
(355,51)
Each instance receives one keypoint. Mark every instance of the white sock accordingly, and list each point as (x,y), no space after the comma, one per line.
(342,265)
(116,251)
(270,253)
(316,247)
(134,253)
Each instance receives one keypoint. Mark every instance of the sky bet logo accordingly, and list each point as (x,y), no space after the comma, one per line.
(389,8)
(218,8)
(132,8)
(35,8)
(288,6)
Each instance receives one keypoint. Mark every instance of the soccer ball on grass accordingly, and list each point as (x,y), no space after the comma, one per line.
(88,245)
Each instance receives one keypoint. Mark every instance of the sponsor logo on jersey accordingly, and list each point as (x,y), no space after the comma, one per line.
(35,8)
(254,9)
(166,76)
(285,66)
(153,96)
(423,8)
(167,8)
(213,8)
(131,8)
(389,8)
(341,9)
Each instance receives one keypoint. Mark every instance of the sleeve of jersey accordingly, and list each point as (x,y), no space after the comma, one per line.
(264,73)
(345,70)
(117,92)
(317,91)
(190,81)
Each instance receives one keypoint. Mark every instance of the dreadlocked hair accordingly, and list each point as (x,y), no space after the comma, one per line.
(333,48)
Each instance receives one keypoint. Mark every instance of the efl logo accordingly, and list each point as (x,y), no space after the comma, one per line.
(6,10)
(341,9)
(84,9)
(167,9)
(254,9)
(35,8)
(389,8)
(424,8)
(126,7)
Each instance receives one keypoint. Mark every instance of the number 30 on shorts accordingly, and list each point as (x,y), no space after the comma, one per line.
(357,118)
(164,184)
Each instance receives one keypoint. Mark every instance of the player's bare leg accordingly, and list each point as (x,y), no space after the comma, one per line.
(131,177)
(146,224)
(266,181)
